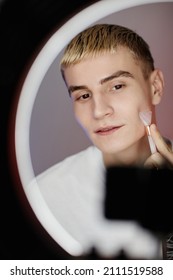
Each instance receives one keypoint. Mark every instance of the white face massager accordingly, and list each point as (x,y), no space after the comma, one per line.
(145,117)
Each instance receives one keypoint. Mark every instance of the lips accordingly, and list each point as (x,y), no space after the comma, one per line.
(107,130)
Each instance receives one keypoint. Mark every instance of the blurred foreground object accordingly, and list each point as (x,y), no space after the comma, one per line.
(142,195)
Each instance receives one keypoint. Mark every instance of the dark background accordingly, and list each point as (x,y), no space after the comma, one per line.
(24,27)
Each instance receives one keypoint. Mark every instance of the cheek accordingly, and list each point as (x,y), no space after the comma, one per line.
(139,128)
(145,102)
(135,126)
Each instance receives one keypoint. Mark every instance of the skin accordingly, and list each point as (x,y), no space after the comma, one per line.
(108,92)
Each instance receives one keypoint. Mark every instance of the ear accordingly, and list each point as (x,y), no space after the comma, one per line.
(157,83)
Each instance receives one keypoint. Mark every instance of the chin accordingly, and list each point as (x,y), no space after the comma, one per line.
(113,147)
(110,149)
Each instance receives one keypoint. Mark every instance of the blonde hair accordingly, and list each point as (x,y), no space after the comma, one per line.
(102,38)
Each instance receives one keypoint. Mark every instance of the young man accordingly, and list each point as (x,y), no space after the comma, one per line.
(110,75)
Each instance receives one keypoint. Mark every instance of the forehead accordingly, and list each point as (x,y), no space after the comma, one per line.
(101,65)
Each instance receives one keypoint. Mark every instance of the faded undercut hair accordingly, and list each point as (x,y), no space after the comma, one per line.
(106,38)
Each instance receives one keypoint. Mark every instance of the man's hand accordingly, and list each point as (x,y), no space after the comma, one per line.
(163,158)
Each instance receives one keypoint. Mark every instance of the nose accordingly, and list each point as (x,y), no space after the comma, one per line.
(101,107)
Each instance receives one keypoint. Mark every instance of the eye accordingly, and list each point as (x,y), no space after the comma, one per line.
(117,87)
(82,97)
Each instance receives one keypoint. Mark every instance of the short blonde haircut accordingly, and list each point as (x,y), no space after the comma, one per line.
(102,38)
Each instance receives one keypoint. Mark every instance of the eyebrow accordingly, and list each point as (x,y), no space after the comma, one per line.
(75,88)
(117,74)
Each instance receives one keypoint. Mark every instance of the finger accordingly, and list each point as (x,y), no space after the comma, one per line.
(157,161)
(162,146)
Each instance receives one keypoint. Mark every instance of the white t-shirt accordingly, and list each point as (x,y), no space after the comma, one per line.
(72,192)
